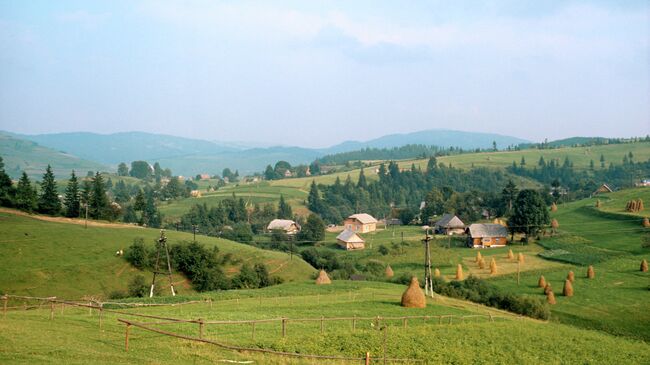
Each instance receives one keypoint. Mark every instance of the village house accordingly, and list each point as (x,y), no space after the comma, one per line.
(287,225)
(486,235)
(195,194)
(449,224)
(360,223)
(348,240)
(603,189)
(205,176)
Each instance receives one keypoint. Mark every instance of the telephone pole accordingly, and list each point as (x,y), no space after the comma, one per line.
(428,282)
(160,246)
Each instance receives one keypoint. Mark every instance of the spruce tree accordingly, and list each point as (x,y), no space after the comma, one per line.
(7,190)
(284,209)
(314,202)
(362,183)
(48,201)
(98,201)
(26,198)
(72,200)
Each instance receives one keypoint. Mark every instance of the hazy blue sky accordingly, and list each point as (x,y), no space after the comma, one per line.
(314,73)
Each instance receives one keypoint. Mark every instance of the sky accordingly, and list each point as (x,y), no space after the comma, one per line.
(316,73)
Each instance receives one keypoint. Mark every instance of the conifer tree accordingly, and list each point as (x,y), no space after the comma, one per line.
(362,183)
(98,201)
(284,209)
(48,201)
(72,200)
(26,198)
(7,190)
(314,202)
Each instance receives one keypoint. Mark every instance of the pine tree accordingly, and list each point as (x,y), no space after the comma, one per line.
(284,209)
(7,190)
(314,202)
(26,198)
(362,184)
(72,200)
(508,195)
(48,201)
(98,201)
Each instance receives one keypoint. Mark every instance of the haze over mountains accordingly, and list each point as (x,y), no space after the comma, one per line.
(187,156)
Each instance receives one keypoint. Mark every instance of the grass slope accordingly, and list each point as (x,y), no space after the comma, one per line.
(49,258)
(73,337)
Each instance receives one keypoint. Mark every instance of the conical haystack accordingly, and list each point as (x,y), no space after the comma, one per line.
(413,297)
(510,255)
(550,297)
(553,207)
(644,265)
(590,272)
(646,222)
(389,272)
(520,258)
(598,203)
(571,276)
(541,282)
(481,264)
(567,291)
(547,288)
(478,257)
(436,272)
(493,267)
(459,272)
(322,278)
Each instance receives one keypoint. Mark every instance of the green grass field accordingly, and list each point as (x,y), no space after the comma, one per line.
(74,336)
(68,260)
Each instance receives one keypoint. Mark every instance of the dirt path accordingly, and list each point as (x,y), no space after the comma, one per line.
(91,223)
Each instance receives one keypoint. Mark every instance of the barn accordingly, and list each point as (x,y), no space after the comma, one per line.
(449,224)
(602,189)
(361,223)
(486,235)
(348,240)
(287,225)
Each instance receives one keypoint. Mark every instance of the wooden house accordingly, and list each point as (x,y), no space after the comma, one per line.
(360,223)
(195,194)
(486,235)
(603,189)
(349,240)
(287,225)
(449,224)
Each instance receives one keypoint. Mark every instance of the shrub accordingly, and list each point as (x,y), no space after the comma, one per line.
(383,250)
(321,259)
(138,287)
(137,254)
(117,294)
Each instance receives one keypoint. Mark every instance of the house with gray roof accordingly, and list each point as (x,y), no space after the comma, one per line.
(349,240)
(449,224)
(486,235)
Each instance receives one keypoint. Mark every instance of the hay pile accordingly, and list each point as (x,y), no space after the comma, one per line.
(389,272)
(520,258)
(550,297)
(459,272)
(547,288)
(555,224)
(510,255)
(541,282)
(436,272)
(598,203)
(478,256)
(322,278)
(493,267)
(553,207)
(413,297)
(646,222)
(571,277)
(567,291)
(590,272)
(644,265)
(481,264)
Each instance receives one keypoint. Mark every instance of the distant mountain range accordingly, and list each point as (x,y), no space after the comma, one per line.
(186,156)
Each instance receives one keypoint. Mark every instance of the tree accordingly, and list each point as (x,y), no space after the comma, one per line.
(432,164)
(284,209)
(508,196)
(140,170)
(7,190)
(494,146)
(157,171)
(72,197)
(314,168)
(48,201)
(362,183)
(269,174)
(522,163)
(530,214)
(26,198)
(122,169)
(314,202)
(434,204)
(98,201)
(313,230)
(602,161)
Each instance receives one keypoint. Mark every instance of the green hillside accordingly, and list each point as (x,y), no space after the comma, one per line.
(21,155)
(63,259)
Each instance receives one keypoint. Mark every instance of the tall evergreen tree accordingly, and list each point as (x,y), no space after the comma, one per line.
(26,198)
(72,200)
(362,183)
(284,209)
(98,201)
(7,190)
(508,196)
(314,202)
(48,201)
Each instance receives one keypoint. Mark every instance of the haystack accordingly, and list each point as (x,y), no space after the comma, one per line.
(520,258)
(481,264)
(413,297)
(541,282)
(646,222)
(389,272)
(567,291)
(478,257)
(590,272)
(550,297)
(555,224)
(571,277)
(547,288)
(322,278)
(644,265)
(459,272)
(510,255)
(493,267)
(553,207)
(436,272)
(598,203)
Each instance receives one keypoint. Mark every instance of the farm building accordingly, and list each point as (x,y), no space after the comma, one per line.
(205,176)
(449,224)
(195,194)
(361,223)
(349,240)
(486,235)
(287,225)
(603,189)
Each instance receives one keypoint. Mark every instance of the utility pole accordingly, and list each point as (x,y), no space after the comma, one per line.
(428,283)
(160,246)
(194,226)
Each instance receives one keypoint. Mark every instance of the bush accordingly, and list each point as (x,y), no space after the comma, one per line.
(383,250)
(138,287)
(326,260)
(137,254)
(118,294)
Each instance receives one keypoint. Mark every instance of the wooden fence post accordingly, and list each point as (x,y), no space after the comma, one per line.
(4,305)
(253,331)
(200,327)
(101,315)
(62,308)
(405,320)
(90,308)
(354,323)
(126,337)
(439,319)
(367,358)
(51,310)
(284,327)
